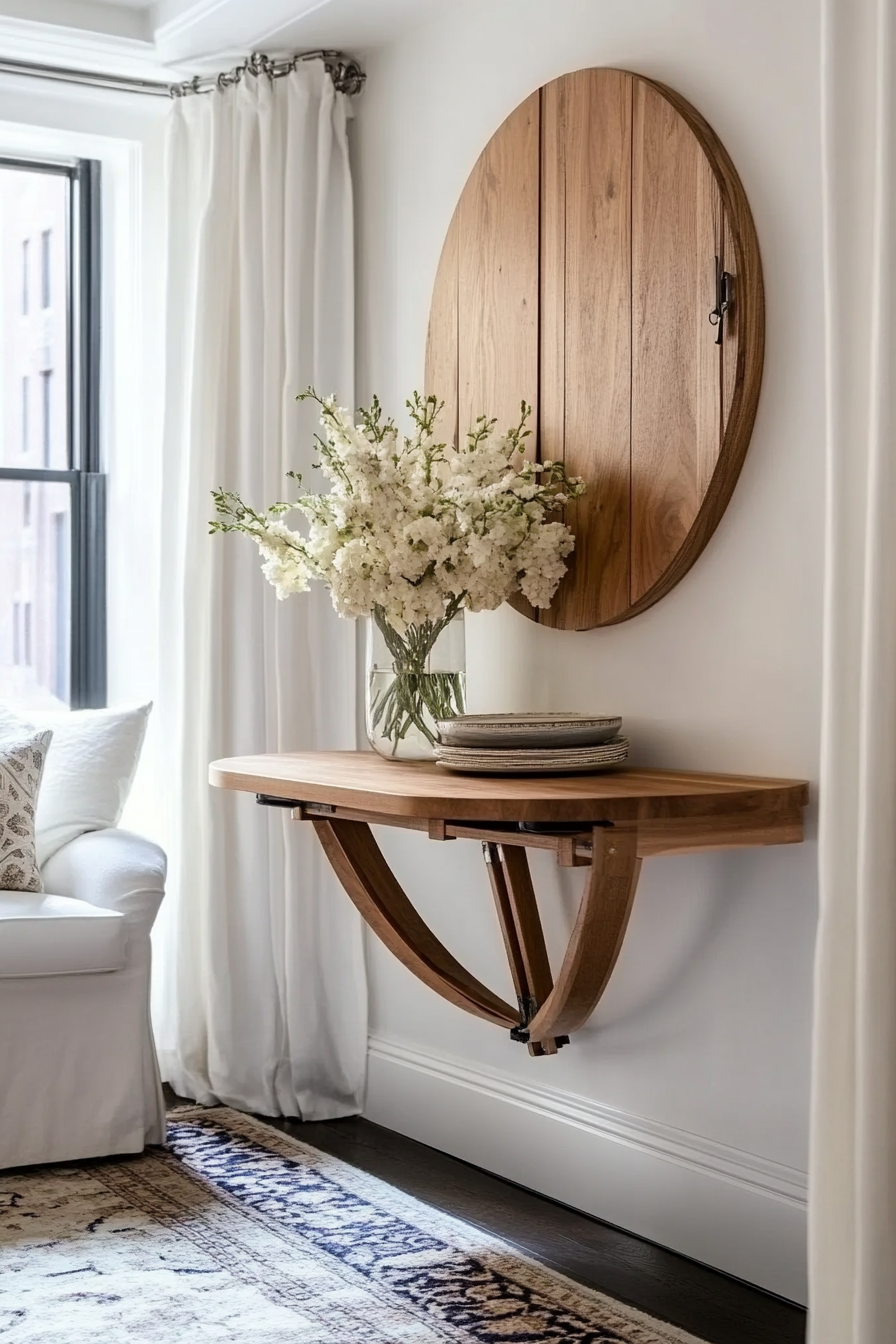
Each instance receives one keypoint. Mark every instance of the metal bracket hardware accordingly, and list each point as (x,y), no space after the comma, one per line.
(560,827)
(528,1009)
(268,800)
(724,299)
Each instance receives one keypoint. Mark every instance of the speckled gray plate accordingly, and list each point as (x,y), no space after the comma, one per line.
(537,761)
(527,730)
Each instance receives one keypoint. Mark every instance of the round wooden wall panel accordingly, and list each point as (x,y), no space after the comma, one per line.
(602,264)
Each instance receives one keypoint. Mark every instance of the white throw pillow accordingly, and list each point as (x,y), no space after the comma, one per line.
(89,771)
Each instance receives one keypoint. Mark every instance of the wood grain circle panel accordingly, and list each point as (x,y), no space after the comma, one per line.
(599,234)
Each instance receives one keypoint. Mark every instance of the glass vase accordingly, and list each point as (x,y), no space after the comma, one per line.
(413,679)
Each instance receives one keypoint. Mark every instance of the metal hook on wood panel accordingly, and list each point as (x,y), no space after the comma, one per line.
(724,297)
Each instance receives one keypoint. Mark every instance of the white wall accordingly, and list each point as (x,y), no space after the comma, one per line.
(681,1110)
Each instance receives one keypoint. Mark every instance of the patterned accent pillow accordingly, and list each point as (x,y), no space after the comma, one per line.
(21,767)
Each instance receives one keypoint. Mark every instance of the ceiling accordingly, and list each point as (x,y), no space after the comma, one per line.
(195,35)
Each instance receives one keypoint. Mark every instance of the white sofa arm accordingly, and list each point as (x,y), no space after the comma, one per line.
(113,869)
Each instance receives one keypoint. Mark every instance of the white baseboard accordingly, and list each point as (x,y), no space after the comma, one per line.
(736,1211)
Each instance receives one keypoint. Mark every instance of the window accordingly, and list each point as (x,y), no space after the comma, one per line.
(52,490)
(45,237)
(26,401)
(46,415)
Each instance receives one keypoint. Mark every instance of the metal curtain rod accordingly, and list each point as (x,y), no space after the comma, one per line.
(346,74)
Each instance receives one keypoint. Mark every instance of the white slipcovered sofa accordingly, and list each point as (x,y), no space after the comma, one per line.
(78,1070)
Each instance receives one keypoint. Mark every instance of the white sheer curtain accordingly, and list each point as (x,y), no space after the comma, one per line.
(260,999)
(853,1150)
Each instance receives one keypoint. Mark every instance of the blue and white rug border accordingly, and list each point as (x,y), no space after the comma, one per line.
(464,1236)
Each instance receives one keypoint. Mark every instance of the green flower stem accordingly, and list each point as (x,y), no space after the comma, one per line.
(415,693)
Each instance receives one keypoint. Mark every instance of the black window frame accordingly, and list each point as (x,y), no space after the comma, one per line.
(88,676)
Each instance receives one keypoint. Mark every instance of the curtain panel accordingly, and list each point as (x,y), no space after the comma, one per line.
(852,1204)
(260,996)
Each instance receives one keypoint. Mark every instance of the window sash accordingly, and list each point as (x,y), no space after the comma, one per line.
(87,567)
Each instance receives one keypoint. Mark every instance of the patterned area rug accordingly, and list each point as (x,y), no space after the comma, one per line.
(241,1234)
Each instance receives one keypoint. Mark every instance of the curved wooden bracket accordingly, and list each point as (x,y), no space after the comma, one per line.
(360,866)
(597,936)
(517,911)
(547,1011)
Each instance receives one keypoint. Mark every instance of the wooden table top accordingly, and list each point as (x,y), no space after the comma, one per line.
(368,783)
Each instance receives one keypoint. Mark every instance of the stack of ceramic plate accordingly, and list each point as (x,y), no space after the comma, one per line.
(528,744)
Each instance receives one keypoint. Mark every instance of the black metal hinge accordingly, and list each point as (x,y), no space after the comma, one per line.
(268,800)
(724,299)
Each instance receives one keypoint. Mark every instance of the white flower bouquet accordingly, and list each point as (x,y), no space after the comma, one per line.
(411,532)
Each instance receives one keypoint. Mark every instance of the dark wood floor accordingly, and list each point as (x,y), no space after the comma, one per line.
(710,1305)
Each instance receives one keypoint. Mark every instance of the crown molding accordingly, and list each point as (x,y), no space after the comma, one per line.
(187,37)
(76,48)
(171,20)
(208,27)
(89,16)
(196,30)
